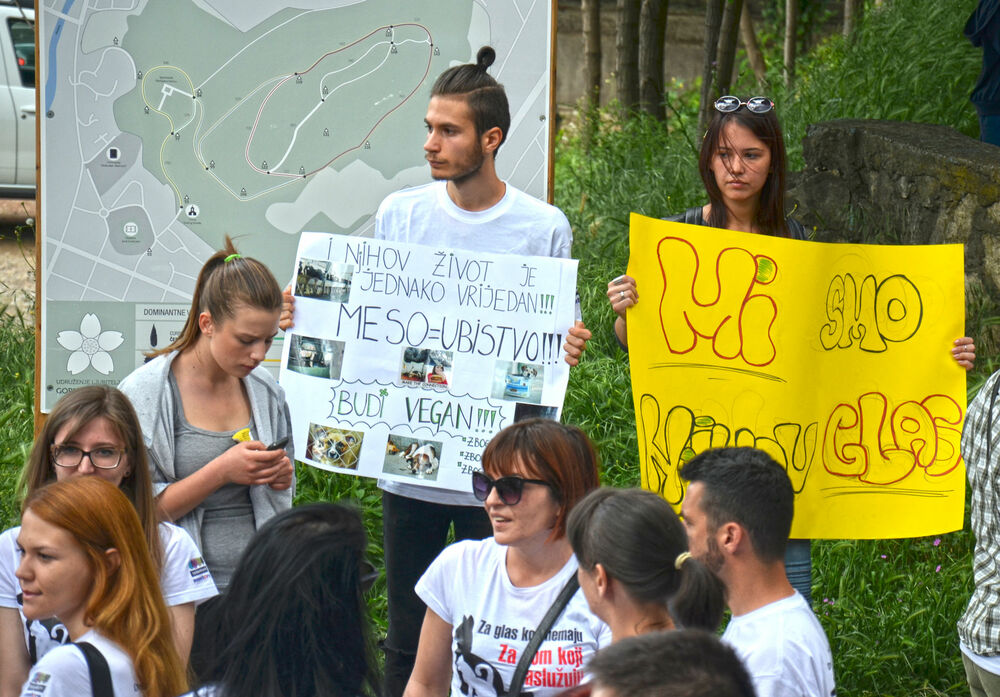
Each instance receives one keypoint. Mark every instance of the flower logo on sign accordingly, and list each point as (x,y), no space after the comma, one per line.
(90,346)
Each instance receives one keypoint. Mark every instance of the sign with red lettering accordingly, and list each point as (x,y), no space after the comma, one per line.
(833,358)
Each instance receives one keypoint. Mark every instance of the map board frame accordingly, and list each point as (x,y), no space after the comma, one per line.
(85,340)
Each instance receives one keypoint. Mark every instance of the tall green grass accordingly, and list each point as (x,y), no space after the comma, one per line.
(888,606)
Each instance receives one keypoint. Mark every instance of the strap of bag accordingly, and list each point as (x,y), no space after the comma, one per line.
(100,674)
(521,671)
(989,422)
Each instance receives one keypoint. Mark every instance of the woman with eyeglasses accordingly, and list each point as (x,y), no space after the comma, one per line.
(94,431)
(84,559)
(293,622)
(743,167)
(486,598)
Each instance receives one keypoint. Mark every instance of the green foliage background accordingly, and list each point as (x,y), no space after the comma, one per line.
(889,606)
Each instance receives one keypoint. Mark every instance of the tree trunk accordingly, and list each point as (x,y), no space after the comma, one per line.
(728,35)
(749,37)
(591,11)
(627,45)
(791,36)
(652,37)
(849,6)
(713,23)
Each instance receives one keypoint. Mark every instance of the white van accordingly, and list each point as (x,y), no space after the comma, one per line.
(17,98)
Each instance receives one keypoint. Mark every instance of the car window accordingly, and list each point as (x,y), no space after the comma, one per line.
(23,36)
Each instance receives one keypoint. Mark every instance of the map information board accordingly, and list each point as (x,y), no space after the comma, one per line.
(167,125)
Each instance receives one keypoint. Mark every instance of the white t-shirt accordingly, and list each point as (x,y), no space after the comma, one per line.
(493,620)
(184,579)
(518,224)
(63,671)
(784,649)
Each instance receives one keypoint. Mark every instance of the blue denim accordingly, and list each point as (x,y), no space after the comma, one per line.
(798,567)
(989,129)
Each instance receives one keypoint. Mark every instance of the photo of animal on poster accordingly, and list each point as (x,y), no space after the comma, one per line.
(412,457)
(324,280)
(330,446)
(321,358)
(518,382)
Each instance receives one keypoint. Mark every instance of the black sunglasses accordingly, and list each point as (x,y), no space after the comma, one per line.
(509,489)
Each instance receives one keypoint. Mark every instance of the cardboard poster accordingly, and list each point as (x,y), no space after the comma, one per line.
(833,358)
(405,360)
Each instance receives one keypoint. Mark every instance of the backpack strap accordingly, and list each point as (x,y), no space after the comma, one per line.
(100,674)
(561,601)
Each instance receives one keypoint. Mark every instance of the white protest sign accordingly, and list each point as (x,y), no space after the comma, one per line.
(405,360)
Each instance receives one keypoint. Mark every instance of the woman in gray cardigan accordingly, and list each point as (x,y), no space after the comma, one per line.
(216,424)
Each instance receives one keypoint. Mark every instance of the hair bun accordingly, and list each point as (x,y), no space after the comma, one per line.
(485,57)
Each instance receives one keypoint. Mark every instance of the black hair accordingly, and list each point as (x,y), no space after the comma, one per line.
(683,663)
(746,486)
(770,217)
(485,96)
(638,539)
(293,622)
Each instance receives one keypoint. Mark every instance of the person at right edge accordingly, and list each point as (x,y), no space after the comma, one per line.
(467,207)
(979,627)
(743,167)
(983,30)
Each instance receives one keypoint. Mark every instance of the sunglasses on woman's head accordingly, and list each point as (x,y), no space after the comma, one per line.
(757,105)
(509,489)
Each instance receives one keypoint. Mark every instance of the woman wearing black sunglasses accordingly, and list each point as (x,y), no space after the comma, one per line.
(485,598)
(743,167)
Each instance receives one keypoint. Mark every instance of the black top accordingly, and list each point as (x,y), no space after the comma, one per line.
(983,29)
(693,216)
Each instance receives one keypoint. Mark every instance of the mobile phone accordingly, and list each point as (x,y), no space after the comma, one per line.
(278,444)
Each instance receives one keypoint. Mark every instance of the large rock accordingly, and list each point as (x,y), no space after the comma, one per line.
(904,183)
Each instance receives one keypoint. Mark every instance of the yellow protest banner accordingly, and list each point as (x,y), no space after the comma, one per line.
(833,358)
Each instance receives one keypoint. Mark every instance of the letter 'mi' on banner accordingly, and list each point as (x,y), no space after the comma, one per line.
(833,358)
(405,360)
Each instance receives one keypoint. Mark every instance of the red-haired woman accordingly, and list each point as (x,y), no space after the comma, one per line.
(485,598)
(85,561)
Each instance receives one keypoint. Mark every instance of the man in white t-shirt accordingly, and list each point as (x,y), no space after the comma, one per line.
(738,514)
(467,207)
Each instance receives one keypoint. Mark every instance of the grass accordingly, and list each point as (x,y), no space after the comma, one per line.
(888,606)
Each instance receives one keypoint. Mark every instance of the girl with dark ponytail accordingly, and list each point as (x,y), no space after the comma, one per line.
(635,568)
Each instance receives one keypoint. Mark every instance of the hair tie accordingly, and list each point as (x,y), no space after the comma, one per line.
(234,255)
(681,558)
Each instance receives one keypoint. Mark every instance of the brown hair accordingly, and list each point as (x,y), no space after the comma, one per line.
(486,97)
(76,410)
(227,281)
(125,603)
(770,217)
(548,450)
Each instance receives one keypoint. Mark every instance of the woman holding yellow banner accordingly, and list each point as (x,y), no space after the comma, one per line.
(743,166)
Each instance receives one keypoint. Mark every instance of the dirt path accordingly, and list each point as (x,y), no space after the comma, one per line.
(17,257)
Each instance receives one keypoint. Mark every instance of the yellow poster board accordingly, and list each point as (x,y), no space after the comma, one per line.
(833,358)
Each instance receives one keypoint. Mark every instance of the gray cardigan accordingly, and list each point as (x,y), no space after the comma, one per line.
(149,390)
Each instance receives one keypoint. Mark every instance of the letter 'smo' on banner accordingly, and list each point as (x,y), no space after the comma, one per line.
(405,360)
(833,358)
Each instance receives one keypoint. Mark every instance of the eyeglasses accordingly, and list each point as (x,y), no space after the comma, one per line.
(509,489)
(103,458)
(757,105)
